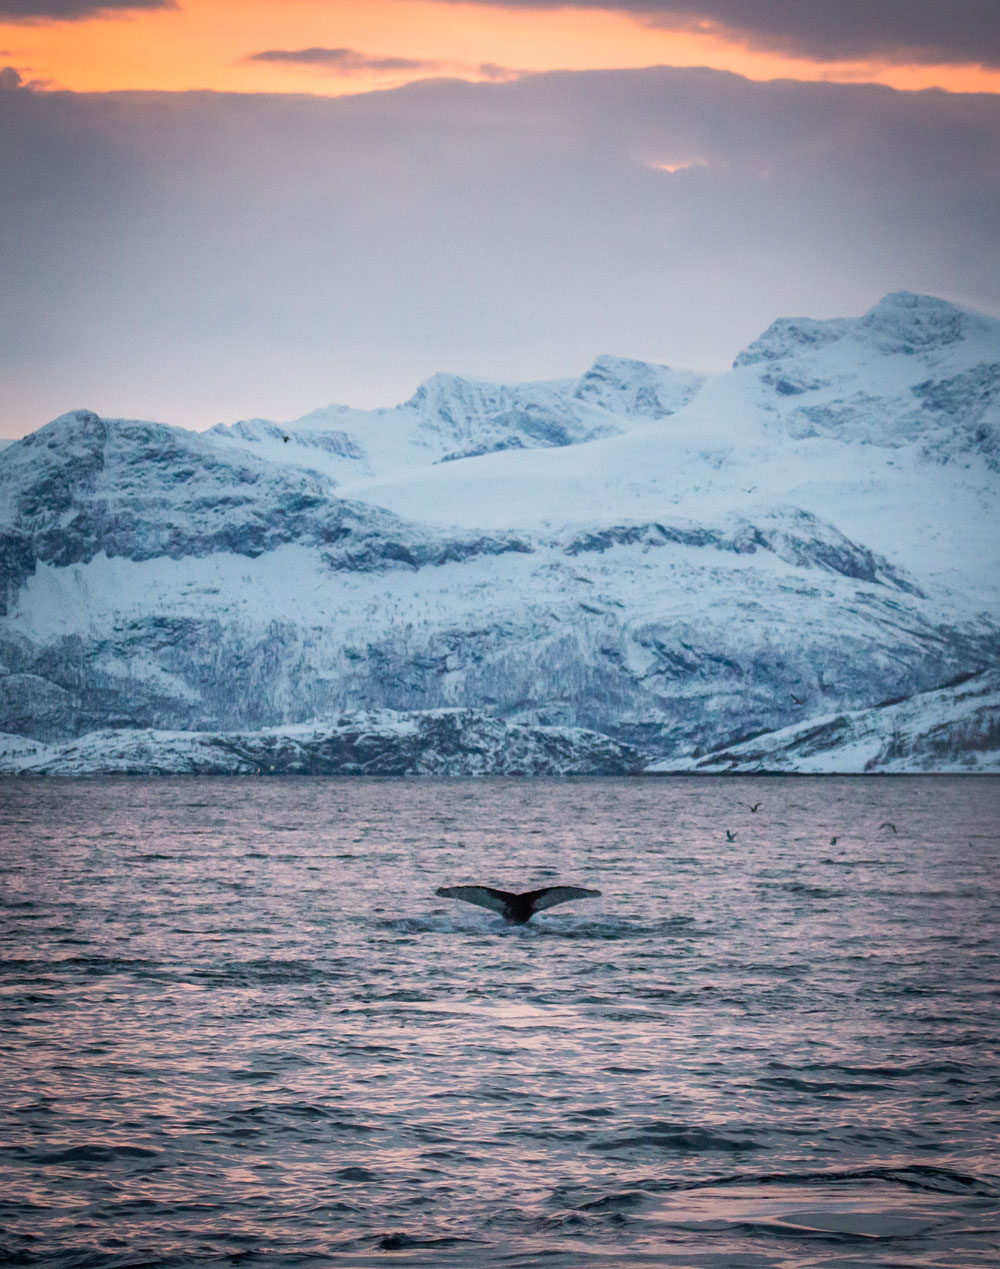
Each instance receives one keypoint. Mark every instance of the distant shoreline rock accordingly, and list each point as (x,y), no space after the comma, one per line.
(444,742)
(954,729)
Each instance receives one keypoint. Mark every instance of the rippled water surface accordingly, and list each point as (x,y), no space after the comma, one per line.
(239,1026)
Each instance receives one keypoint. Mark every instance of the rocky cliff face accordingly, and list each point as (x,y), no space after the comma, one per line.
(372,742)
(676,566)
(953,729)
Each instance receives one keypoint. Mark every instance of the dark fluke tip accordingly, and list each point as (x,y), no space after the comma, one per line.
(518,908)
(756,806)
(730,835)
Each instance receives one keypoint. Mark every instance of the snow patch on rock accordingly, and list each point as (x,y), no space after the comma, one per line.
(372,742)
(953,729)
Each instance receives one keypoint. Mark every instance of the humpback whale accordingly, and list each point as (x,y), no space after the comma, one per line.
(517,908)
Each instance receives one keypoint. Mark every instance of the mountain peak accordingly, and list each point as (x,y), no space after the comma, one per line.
(75,436)
(77,416)
(910,301)
(791,335)
(904,322)
(907,322)
(639,389)
(446,386)
(457,406)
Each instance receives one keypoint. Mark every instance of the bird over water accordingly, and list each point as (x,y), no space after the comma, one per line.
(517,908)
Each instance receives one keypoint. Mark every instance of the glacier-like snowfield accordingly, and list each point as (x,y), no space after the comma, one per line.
(685,566)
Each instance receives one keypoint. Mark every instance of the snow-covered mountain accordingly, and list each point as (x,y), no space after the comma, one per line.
(449,417)
(887,425)
(680,565)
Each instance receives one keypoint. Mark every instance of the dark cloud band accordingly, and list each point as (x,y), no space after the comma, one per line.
(207,255)
(345,60)
(947,31)
(349,61)
(71,10)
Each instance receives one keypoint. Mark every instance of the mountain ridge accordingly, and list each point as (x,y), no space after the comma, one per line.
(450,416)
(674,562)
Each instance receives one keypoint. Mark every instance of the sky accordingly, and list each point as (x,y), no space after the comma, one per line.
(214,209)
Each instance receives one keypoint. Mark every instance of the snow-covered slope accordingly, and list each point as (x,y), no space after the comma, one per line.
(953,729)
(887,425)
(449,417)
(83,486)
(676,567)
(913,370)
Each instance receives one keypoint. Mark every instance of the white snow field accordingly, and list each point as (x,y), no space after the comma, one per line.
(707,573)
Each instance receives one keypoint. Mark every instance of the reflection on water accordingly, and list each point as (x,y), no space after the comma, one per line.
(239,1023)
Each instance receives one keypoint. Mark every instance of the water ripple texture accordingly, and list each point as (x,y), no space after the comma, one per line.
(240,1027)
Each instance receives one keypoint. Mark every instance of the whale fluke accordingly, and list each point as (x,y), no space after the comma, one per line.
(518,908)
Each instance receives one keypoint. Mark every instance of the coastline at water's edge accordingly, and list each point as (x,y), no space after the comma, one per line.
(954,729)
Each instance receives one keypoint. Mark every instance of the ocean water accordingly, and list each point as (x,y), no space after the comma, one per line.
(240,1028)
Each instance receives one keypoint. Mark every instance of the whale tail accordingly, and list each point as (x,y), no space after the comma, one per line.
(518,908)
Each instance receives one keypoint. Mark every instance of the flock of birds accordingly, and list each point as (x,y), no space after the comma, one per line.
(755,806)
(517,908)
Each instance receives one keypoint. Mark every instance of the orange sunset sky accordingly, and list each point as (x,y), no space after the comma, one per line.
(222,209)
(333,47)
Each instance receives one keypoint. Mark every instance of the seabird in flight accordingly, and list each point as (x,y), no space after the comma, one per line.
(516,908)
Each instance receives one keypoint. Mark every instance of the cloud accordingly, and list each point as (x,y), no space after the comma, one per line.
(923,31)
(12,81)
(349,61)
(346,61)
(497,74)
(71,10)
(205,256)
